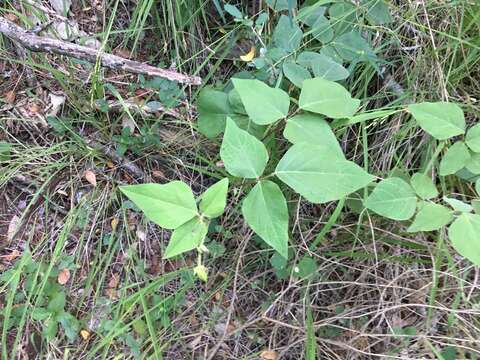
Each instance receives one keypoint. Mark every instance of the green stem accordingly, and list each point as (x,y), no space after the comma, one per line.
(437,152)
(328,226)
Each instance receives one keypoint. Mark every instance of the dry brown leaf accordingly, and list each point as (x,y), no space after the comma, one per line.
(110,164)
(84,334)
(12,227)
(10,97)
(11,17)
(158,174)
(12,256)
(269,355)
(123,53)
(111,290)
(34,108)
(90,177)
(63,276)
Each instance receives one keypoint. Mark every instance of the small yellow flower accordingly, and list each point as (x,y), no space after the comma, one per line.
(249,56)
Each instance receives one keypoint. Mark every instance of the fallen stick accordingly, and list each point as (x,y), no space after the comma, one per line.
(44,44)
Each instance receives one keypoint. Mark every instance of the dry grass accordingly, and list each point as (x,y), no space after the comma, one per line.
(378,291)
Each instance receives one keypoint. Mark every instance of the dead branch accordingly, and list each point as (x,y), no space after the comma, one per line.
(45,44)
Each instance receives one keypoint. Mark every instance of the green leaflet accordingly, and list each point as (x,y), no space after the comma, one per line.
(214,199)
(263,104)
(213,109)
(463,234)
(322,29)
(325,67)
(392,198)
(455,159)
(377,12)
(442,120)
(287,35)
(423,186)
(351,46)
(169,205)
(295,73)
(186,237)
(265,211)
(473,138)
(458,205)
(431,217)
(473,164)
(309,14)
(327,98)
(243,154)
(320,175)
(314,130)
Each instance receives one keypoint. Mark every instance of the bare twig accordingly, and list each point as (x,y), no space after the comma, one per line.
(117,106)
(129,166)
(45,44)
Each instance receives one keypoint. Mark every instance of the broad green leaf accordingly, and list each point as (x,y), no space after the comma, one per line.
(329,51)
(476,205)
(168,205)
(309,14)
(322,29)
(295,73)
(56,303)
(214,199)
(320,176)
(213,109)
(473,138)
(280,5)
(244,123)
(236,102)
(40,313)
(327,98)
(264,105)
(327,68)
(442,120)
(463,234)
(393,198)
(477,186)
(431,217)
(458,205)
(353,47)
(307,58)
(473,163)
(186,237)
(342,16)
(455,159)
(265,211)
(287,35)
(314,130)
(307,266)
(70,325)
(233,10)
(5,149)
(50,329)
(323,66)
(377,12)
(423,186)
(243,154)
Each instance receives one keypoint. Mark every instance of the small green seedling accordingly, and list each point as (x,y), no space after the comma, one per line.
(173,206)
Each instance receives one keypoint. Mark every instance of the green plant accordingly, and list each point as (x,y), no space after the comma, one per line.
(48,307)
(173,206)
(249,111)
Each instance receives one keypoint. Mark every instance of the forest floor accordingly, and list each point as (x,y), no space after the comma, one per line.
(71,132)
